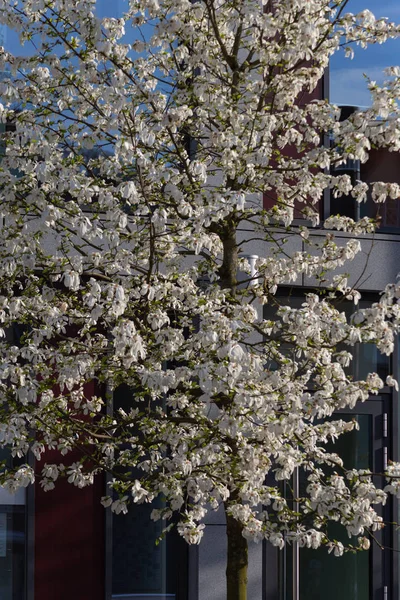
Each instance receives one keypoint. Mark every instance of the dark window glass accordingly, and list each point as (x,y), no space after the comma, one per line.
(141,568)
(366,357)
(12,541)
(322,575)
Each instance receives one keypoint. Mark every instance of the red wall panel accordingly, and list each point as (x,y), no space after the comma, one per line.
(69,538)
(317,94)
(69,542)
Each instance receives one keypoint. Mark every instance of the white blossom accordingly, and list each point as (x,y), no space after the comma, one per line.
(131,191)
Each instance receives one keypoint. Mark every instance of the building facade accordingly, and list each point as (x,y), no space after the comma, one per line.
(62,545)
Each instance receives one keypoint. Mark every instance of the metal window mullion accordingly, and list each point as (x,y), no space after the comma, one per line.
(108,524)
(296,549)
(30,537)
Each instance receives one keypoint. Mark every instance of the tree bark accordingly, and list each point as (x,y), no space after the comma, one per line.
(236,569)
(229,265)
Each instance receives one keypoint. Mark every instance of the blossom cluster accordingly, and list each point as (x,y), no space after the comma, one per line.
(130,184)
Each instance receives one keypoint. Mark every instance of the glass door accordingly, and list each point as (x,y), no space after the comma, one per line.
(307,574)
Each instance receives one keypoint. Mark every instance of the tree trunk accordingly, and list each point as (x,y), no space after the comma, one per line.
(229,265)
(236,569)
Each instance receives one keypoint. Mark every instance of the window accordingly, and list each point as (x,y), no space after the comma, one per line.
(305,574)
(12,541)
(366,357)
(16,519)
(382,165)
(315,574)
(140,569)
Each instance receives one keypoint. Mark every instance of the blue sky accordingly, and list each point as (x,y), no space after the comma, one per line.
(105,8)
(347,83)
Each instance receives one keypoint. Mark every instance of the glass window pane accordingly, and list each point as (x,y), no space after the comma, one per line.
(12,541)
(368,359)
(323,575)
(138,563)
(142,568)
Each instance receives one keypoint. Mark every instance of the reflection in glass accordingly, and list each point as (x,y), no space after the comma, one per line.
(322,575)
(370,360)
(142,568)
(366,357)
(12,541)
(138,564)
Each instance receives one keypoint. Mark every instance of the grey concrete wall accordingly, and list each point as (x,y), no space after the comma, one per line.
(212,562)
(374,267)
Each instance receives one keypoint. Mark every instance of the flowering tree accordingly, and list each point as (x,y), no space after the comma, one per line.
(132,179)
